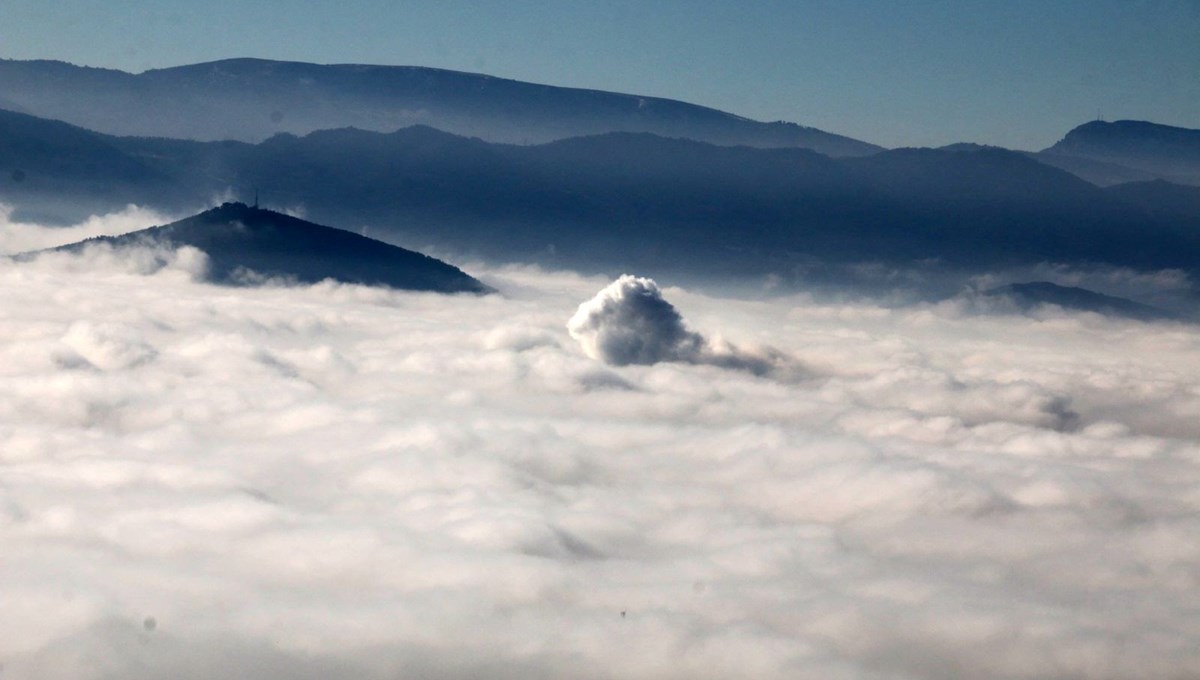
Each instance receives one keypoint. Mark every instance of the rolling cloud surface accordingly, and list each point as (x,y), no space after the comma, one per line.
(344,481)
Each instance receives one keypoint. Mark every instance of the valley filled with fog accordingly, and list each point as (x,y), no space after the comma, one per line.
(343,481)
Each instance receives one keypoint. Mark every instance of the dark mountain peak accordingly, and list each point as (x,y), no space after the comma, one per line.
(1164,151)
(248,244)
(279,138)
(353,136)
(250,64)
(1036,293)
(1143,128)
(235,215)
(248,215)
(1130,135)
(427,134)
(965,147)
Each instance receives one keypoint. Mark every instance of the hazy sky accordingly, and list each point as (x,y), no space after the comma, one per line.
(1018,73)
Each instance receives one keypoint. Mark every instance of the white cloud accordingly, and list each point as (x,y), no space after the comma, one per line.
(19,237)
(344,481)
(629,322)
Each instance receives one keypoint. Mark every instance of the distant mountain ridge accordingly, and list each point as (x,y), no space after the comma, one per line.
(1129,150)
(1027,296)
(1121,152)
(639,201)
(246,245)
(54,158)
(252,99)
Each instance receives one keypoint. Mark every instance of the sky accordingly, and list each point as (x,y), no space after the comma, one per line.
(582,478)
(1019,73)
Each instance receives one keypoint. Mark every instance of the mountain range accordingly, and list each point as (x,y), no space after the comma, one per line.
(253,99)
(627,200)
(679,201)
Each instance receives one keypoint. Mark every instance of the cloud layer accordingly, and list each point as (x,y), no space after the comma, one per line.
(344,481)
(19,237)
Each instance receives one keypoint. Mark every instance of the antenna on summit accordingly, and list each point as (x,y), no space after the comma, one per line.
(255,198)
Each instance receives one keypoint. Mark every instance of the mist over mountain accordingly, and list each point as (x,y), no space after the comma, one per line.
(252,99)
(53,164)
(1121,152)
(639,201)
(1161,199)
(246,245)
(1100,173)
(1035,294)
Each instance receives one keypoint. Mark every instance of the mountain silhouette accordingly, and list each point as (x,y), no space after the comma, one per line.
(1100,173)
(252,99)
(1162,151)
(660,206)
(1031,295)
(246,245)
(47,162)
(635,200)
(1162,201)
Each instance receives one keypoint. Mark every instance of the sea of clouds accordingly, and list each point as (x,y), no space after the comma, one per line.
(340,481)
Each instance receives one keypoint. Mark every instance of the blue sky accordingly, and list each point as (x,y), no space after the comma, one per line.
(1018,73)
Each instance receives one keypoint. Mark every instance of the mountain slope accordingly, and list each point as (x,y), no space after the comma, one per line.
(1100,173)
(637,200)
(1162,200)
(252,99)
(673,206)
(47,161)
(247,244)
(1163,151)
(1034,294)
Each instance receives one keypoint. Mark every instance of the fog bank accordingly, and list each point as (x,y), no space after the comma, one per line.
(343,481)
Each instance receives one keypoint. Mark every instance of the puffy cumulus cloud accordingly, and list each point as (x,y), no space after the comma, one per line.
(346,481)
(630,322)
